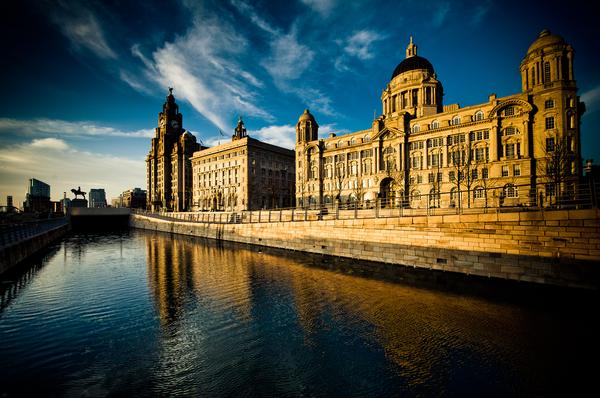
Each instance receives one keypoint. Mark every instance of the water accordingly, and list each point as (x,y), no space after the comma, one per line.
(147,314)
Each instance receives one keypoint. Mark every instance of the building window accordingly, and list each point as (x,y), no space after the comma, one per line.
(546,72)
(549,104)
(474,174)
(510,131)
(509,151)
(516,170)
(416,128)
(478,115)
(550,144)
(478,193)
(431,177)
(435,125)
(571,119)
(511,191)
(419,179)
(549,122)
(451,176)
(504,171)
(484,173)
(455,120)
(509,111)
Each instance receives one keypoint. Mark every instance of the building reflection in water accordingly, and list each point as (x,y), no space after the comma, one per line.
(419,330)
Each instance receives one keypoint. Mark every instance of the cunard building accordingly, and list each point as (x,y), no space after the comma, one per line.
(168,165)
(243,174)
(523,149)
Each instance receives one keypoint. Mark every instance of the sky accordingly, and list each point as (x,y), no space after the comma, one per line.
(83,81)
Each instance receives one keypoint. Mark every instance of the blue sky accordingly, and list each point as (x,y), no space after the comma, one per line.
(83,81)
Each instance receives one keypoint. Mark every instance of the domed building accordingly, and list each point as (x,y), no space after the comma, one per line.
(522,149)
(168,165)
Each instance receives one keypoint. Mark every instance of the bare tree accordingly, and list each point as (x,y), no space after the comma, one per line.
(555,168)
(339,179)
(463,165)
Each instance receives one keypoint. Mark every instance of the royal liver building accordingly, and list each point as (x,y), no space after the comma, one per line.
(523,149)
(168,165)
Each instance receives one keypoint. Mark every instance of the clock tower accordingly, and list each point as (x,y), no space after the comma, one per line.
(168,166)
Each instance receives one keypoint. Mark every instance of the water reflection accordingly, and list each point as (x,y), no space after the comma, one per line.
(433,340)
(147,314)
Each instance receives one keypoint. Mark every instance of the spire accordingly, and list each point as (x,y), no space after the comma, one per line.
(411,49)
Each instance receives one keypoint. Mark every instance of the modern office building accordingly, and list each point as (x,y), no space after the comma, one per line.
(522,149)
(37,198)
(244,174)
(97,197)
(168,166)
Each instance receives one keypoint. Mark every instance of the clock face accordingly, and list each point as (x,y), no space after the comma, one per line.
(174,124)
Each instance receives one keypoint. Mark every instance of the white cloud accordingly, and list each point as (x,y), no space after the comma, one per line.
(283,136)
(288,59)
(202,66)
(65,128)
(50,143)
(359,44)
(54,162)
(323,7)
(592,99)
(82,29)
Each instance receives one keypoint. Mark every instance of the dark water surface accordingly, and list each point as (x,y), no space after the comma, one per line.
(149,314)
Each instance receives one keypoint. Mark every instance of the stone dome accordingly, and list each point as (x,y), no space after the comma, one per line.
(545,38)
(306,116)
(413,63)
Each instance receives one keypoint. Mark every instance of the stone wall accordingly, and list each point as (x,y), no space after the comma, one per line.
(12,255)
(559,247)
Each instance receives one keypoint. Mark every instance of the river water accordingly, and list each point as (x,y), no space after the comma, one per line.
(150,314)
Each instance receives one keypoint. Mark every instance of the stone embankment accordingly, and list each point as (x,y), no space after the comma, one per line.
(560,247)
(20,242)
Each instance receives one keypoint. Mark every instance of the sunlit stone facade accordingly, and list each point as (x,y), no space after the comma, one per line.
(522,149)
(244,174)
(168,166)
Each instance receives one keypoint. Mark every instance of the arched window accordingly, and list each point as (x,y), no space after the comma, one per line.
(434,198)
(353,141)
(416,128)
(478,115)
(455,120)
(435,124)
(511,191)
(367,138)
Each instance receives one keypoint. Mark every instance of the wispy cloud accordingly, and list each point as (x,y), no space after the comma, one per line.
(288,59)
(323,7)
(44,127)
(64,168)
(80,25)
(592,99)
(360,43)
(203,67)
(440,13)
(480,11)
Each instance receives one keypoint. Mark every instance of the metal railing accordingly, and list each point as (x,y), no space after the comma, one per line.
(463,200)
(14,233)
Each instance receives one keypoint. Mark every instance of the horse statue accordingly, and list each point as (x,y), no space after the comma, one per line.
(78,192)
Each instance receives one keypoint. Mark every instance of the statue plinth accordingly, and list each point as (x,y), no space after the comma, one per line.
(79,203)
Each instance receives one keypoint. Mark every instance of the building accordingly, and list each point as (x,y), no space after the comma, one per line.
(522,149)
(37,198)
(65,202)
(244,174)
(133,198)
(168,166)
(97,197)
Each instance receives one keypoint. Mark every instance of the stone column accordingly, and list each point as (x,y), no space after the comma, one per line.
(494,144)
